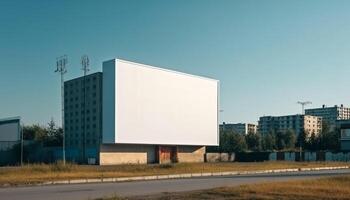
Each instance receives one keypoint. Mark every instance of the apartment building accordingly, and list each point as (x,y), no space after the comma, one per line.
(330,115)
(83,118)
(242,128)
(298,123)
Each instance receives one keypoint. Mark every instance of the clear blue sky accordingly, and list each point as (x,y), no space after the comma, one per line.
(267,54)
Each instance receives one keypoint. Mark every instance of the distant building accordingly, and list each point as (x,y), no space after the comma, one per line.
(242,128)
(83,117)
(9,132)
(330,115)
(298,123)
(344,126)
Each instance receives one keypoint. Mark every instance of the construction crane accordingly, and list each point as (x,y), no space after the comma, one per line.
(303,104)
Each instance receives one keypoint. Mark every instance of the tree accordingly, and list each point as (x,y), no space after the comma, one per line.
(232,142)
(51,128)
(289,139)
(280,143)
(329,139)
(312,143)
(268,141)
(48,136)
(301,140)
(253,141)
(40,132)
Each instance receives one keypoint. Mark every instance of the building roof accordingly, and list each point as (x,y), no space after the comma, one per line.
(165,69)
(10,119)
(82,77)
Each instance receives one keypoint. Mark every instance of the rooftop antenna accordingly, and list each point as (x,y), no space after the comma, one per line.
(61,63)
(85,68)
(303,104)
(85,64)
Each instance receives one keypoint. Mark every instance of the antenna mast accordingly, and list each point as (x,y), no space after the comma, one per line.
(85,64)
(85,68)
(303,104)
(61,63)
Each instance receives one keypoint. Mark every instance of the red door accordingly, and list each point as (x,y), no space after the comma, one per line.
(167,154)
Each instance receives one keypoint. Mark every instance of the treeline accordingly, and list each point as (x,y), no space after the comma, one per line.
(49,135)
(278,141)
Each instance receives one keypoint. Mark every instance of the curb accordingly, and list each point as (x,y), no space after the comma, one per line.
(188,175)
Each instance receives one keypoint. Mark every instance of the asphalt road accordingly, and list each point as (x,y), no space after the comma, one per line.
(92,191)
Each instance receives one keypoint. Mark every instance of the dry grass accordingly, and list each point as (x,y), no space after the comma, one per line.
(334,188)
(41,172)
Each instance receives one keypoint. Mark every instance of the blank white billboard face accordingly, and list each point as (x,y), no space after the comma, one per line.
(147,105)
(9,131)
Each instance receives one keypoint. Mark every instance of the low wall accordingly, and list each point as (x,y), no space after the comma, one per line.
(278,156)
(338,156)
(219,157)
(190,153)
(114,154)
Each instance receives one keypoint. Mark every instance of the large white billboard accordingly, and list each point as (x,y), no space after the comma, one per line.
(147,105)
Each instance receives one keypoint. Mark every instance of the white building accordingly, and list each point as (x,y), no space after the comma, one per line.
(156,115)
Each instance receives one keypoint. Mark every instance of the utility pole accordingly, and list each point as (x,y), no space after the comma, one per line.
(61,63)
(22,144)
(303,104)
(85,68)
(219,118)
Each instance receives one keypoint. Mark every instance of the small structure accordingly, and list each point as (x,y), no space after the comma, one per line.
(9,132)
(345,135)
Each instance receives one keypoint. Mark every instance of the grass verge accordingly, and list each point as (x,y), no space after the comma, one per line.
(38,173)
(334,188)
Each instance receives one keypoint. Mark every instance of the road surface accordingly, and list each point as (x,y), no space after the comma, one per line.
(96,190)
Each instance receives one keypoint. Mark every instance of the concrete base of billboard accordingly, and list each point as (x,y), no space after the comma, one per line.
(114,154)
(190,153)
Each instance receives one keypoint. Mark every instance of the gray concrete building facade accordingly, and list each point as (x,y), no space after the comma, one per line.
(298,123)
(330,115)
(241,128)
(83,118)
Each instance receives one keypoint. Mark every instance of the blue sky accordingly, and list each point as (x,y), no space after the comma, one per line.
(267,54)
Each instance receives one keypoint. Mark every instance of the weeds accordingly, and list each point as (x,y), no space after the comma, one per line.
(36,173)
